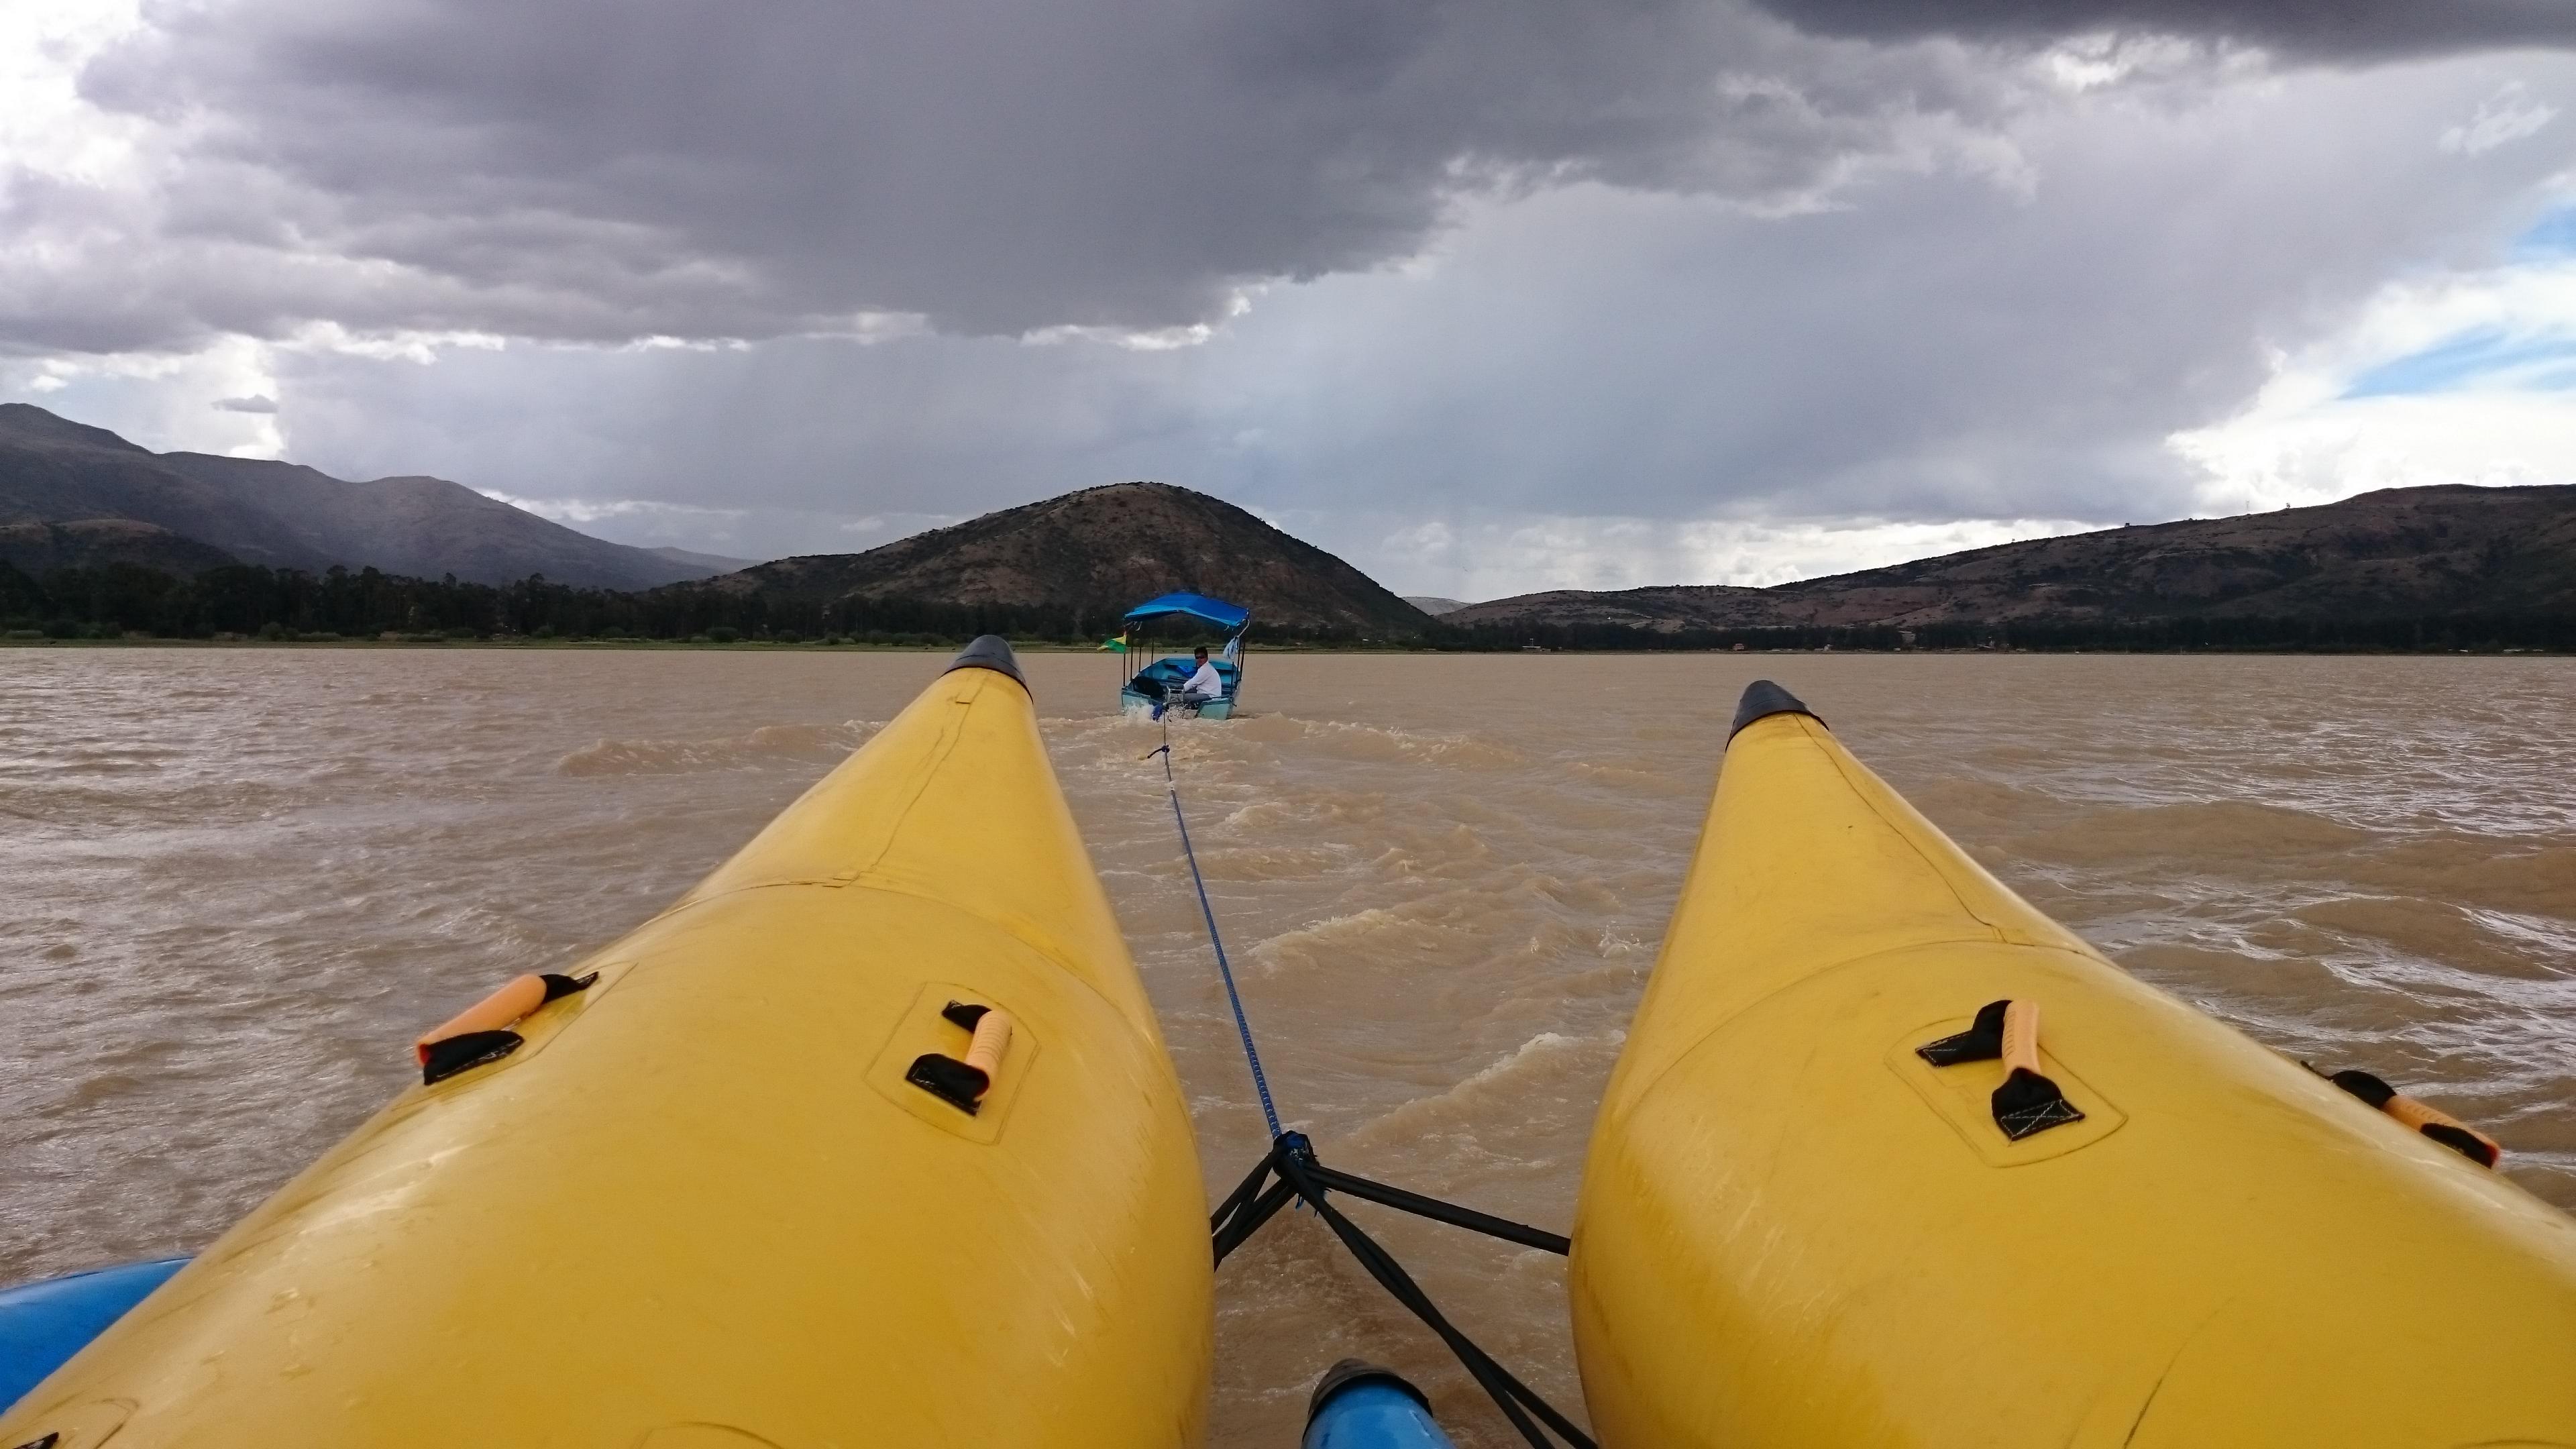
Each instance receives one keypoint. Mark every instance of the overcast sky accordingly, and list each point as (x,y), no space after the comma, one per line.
(1486,298)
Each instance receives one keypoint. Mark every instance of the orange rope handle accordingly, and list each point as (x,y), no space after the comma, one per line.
(2419,1115)
(515,999)
(2021,1037)
(992,1042)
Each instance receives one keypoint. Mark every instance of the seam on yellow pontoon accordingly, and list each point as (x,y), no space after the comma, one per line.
(1844,763)
(951,731)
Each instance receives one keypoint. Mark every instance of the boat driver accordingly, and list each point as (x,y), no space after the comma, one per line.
(1205,684)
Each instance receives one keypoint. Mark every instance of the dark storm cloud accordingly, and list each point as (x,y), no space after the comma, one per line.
(702,169)
(1949,350)
(695,169)
(2321,29)
(1626,259)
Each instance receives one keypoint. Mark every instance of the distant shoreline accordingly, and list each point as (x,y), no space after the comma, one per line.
(1041,646)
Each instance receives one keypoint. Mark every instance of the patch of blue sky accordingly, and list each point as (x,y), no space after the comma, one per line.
(2552,238)
(2488,360)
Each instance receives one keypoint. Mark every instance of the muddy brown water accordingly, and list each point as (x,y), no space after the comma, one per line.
(235,883)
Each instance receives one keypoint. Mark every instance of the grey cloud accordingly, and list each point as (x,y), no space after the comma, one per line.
(2319,29)
(1947,350)
(246,405)
(996,166)
(1942,351)
(1679,263)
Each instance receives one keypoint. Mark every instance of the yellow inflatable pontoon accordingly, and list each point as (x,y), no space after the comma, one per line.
(869,1140)
(1889,1159)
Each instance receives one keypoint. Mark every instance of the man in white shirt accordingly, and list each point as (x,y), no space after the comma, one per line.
(1204,684)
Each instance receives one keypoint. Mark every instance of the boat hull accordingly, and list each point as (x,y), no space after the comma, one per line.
(1795,1231)
(702,1205)
(1132,703)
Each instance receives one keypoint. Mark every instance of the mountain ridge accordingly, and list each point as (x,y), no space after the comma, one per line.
(717,562)
(286,515)
(1095,553)
(40,548)
(77,497)
(2442,548)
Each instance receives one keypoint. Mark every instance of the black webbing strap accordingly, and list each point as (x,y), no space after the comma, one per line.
(1442,1212)
(1292,1158)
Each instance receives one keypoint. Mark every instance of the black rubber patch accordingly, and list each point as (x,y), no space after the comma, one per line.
(1982,1042)
(948,1079)
(964,1013)
(466,1051)
(558,987)
(2365,1086)
(992,652)
(2028,1103)
(2464,1143)
(1763,699)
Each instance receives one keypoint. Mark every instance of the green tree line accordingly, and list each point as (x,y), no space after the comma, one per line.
(123,599)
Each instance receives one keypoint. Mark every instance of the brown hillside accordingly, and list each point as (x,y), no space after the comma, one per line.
(2396,552)
(53,470)
(88,543)
(1099,552)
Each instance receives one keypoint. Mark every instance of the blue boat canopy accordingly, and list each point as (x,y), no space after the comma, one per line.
(1197,606)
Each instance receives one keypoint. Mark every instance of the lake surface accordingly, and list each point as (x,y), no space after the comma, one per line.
(234,884)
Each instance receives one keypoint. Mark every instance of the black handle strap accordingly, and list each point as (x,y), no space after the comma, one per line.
(1257,1199)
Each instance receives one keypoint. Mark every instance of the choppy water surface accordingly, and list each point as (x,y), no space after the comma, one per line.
(238,882)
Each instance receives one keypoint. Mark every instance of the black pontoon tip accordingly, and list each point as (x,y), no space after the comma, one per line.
(991,652)
(1762,699)
(1358,1371)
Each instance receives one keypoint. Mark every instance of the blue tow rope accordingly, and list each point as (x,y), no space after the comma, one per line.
(1305,1181)
(1225,969)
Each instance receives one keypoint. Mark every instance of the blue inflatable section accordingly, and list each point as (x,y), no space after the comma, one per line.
(1379,1411)
(42,1324)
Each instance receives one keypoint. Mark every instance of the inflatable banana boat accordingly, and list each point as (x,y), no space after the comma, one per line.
(1890,1159)
(868,1140)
